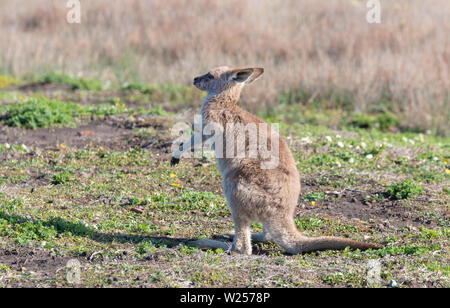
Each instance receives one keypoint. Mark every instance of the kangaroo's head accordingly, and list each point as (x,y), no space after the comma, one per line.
(226,80)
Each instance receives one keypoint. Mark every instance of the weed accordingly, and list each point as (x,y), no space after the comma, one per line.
(7,81)
(403,190)
(62,177)
(36,112)
(314,196)
(74,82)
(40,112)
(362,121)
(387,120)
(381,121)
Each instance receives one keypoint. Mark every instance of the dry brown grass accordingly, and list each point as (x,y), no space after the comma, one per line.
(324,47)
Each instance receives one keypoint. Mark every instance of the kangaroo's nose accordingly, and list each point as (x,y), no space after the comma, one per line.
(196,79)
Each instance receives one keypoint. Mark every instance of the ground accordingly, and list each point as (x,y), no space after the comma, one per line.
(99,188)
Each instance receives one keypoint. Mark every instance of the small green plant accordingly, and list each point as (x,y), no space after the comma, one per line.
(204,201)
(322,159)
(446,190)
(308,223)
(314,196)
(137,201)
(381,121)
(138,86)
(146,247)
(361,120)
(62,177)
(4,268)
(37,112)
(7,81)
(74,82)
(386,120)
(333,279)
(218,251)
(403,190)
(40,112)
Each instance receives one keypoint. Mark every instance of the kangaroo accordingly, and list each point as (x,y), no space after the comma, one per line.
(255,194)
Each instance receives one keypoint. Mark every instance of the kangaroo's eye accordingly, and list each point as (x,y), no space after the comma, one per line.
(209,77)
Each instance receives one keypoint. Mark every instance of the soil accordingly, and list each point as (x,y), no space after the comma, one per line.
(111,133)
(34,262)
(350,205)
(40,87)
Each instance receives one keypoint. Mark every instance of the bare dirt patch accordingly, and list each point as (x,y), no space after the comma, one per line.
(110,133)
(43,87)
(349,205)
(50,138)
(35,262)
(32,259)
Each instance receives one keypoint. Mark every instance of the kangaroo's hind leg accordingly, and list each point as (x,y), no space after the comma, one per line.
(242,243)
(241,239)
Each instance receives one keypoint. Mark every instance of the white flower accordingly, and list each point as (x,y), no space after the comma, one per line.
(405,139)
(107,85)
(370,156)
(25,147)
(340,144)
(351,160)
(7,146)
(329,139)
(363,145)
(338,136)
(306,140)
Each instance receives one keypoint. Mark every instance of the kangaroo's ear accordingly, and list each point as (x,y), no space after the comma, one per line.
(247,75)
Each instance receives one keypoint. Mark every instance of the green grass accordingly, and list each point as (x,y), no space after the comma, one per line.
(175,94)
(127,215)
(8,81)
(381,121)
(62,177)
(75,83)
(36,112)
(40,112)
(403,190)
(314,196)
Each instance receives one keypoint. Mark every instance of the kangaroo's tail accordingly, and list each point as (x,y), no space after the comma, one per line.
(290,239)
(305,245)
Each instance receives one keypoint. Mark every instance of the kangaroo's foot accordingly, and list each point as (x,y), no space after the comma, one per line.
(242,247)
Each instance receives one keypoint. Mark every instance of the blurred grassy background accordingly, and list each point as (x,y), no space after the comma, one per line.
(321,54)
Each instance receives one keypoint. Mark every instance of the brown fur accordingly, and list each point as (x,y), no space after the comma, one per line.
(252,193)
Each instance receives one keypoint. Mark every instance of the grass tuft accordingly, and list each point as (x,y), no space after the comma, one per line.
(403,190)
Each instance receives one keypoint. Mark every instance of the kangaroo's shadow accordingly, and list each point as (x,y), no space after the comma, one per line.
(63,226)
